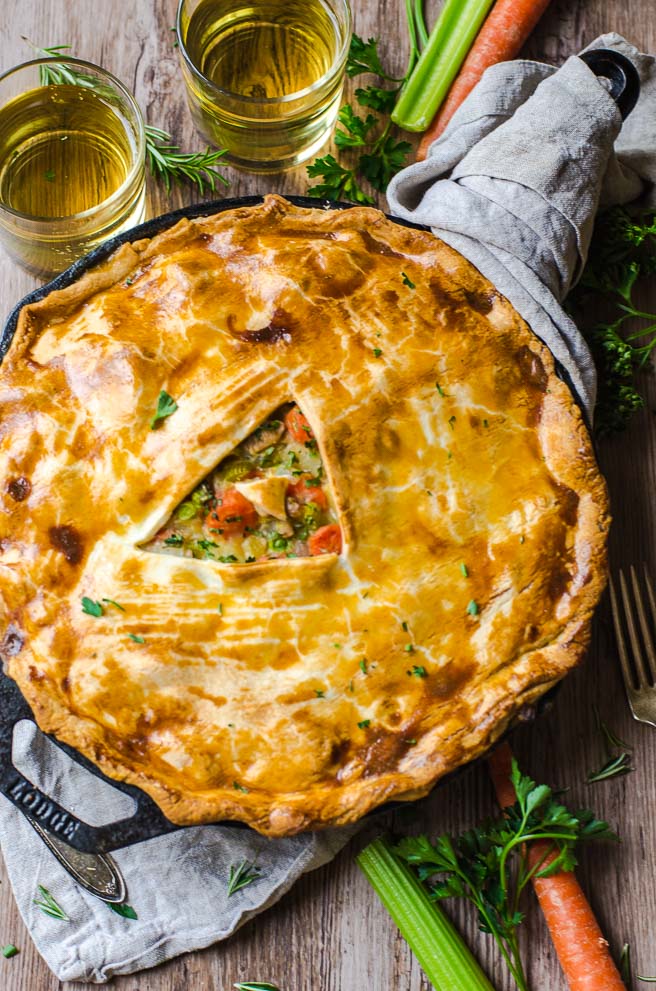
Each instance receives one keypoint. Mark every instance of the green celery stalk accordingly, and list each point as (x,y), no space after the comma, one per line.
(447,47)
(440,950)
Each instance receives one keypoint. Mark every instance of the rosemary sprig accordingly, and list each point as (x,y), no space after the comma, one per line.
(49,906)
(165,160)
(254,986)
(242,875)
(613,768)
(616,763)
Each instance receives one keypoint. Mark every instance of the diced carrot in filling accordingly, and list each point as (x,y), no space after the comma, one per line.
(298,426)
(303,491)
(325,540)
(232,514)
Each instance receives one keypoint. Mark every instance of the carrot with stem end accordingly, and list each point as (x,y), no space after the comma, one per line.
(507,27)
(579,942)
(439,62)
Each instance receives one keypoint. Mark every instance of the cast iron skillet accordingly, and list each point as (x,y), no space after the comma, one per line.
(148,820)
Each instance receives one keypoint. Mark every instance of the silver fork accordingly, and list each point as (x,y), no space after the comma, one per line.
(638,663)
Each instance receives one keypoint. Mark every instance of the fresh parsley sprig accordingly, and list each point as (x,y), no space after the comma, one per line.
(489,865)
(165,160)
(380,154)
(622,253)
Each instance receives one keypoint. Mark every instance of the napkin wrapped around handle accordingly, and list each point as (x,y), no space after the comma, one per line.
(516,179)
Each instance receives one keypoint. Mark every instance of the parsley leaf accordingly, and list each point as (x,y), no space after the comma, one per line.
(622,253)
(338,183)
(488,865)
(124,910)
(356,127)
(91,607)
(382,100)
(363,57)
(387,157)
(166,405)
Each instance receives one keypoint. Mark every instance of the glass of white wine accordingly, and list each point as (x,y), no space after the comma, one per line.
(72,161)
(264,77)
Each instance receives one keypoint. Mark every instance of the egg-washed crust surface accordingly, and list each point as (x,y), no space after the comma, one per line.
(292,694)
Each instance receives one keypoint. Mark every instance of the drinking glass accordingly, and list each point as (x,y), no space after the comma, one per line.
(72,161)
(264,78)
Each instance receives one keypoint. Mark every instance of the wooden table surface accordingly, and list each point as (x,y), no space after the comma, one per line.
(330,933)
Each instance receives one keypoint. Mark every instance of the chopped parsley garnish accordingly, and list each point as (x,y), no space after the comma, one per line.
(113,603)
(377,352)
(219,609)
(337,646)
(49,175)
(452,422)
(410,743)
(91,607)
(407,282)
(319,692)
(206,546)
(226,558)
(313,483)
(485,423)
(242,875)
(409,649)
(363,665)
(292,459)
(166,405)
(175,540)
(238,787)
(404,626)
(364,724)
(128,282)
(418,671)
(463,570)
(472,608)
(440,389)
(124,910)
(233,519)
(136,638)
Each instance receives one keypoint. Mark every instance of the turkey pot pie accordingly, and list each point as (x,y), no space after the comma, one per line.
(466,516)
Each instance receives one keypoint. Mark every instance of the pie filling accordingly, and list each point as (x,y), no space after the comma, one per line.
(268,499)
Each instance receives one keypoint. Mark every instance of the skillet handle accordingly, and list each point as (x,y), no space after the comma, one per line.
(621,73)
(147,821)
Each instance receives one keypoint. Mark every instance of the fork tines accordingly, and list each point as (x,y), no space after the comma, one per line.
(634,615)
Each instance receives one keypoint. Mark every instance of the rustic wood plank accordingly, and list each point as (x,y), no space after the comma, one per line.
(330,933)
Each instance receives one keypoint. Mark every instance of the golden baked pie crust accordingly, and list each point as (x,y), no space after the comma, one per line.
(295,693)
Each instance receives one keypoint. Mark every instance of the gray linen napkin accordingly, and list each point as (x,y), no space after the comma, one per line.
(515,181)
(528,157)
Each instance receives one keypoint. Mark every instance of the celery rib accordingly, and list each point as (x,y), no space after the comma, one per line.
(439,63)
(446,961)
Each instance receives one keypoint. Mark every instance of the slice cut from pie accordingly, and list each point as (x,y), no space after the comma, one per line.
(350,403)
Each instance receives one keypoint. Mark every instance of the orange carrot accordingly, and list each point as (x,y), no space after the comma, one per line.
(580,945)
(507,27)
